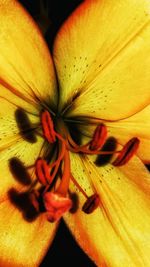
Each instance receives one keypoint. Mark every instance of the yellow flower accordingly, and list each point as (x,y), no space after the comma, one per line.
(102,65)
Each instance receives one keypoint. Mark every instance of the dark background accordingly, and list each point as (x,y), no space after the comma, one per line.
(64,249)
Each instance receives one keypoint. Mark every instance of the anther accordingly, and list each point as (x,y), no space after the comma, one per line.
(56,205)
(127,152)
(99,137)
(91,204)
(48,127)
(42,171)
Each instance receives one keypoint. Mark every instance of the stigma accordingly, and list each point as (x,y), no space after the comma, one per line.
(54,176)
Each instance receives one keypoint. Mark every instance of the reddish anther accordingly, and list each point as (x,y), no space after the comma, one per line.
(127,152)
(91,204)
(42,171)
(56,205)
(48,127)
(99,137)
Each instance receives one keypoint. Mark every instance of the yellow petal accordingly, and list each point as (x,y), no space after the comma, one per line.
(14,144)
(101,56)
(137,125)
(118,232)
(23,243)
(15,118)
(22,151)
(26,67)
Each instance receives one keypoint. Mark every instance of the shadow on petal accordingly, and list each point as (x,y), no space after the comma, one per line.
(23,203)
(110,145)
(75,202)
(25,126)
(19,171)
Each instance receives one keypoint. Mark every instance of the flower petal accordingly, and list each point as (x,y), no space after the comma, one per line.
(118,232)
(24,146)
(19,152)
(137,125)
(101,56)
(22,243)
(26,67)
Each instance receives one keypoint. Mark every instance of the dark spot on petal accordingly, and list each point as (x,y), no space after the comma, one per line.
(23,203)
(19,171)
(110,145)
(25,126)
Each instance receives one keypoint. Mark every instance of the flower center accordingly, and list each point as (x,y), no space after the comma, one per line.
(54,175)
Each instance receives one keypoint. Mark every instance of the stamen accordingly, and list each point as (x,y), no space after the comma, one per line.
(42,171)
(127,152)
(48,127)
(91,204)
(99,137)
(55,199)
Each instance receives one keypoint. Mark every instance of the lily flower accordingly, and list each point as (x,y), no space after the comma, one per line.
(97,81)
